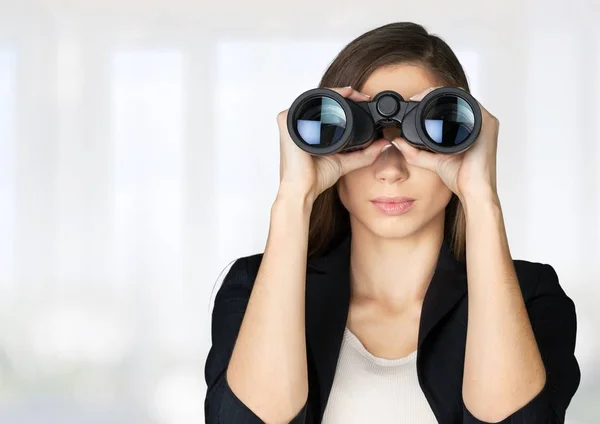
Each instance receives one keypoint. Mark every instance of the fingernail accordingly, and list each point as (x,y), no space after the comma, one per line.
(387,146)
(397,145)
(348,86)
(366,95)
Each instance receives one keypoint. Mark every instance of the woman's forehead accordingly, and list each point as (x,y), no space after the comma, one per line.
(407,80)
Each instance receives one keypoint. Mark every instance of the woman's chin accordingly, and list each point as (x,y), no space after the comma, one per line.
(391,228)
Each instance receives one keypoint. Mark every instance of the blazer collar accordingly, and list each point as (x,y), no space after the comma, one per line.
(328,301)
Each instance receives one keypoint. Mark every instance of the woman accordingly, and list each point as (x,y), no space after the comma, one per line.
(386,292)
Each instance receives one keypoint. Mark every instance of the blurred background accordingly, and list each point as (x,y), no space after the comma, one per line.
(139,157)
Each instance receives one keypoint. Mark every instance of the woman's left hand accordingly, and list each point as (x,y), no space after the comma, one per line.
(470,173)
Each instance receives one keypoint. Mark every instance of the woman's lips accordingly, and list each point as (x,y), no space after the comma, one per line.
(393,206)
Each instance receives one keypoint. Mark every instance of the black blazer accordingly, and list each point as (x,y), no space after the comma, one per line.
(441,341)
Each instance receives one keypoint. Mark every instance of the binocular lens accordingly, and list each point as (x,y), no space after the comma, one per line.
(320,121)
(448,120)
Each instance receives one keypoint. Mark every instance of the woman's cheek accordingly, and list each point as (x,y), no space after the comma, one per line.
(348,189)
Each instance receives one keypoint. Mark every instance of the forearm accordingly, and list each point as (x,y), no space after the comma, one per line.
(268,370)
(503,367)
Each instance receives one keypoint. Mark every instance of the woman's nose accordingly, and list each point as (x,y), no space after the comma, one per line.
(391,166)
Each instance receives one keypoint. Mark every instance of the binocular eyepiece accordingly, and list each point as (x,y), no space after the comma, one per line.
(322,121)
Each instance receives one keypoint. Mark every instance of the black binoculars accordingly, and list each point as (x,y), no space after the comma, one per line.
(321,121)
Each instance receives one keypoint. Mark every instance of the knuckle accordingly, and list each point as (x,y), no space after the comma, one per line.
(491,119)
(281,116)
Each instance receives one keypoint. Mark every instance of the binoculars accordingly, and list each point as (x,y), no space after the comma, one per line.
(321,121)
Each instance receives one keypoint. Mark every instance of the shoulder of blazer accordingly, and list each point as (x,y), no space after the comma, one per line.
(244,270)
(253,263)
(536,278)
(241,273)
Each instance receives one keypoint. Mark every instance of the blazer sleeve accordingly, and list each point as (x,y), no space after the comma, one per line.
(554,323)
(221,405)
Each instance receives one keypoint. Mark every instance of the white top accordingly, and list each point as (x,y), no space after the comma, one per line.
(370,389)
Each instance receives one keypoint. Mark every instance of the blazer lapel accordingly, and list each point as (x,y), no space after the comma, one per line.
(328,301)
(447,287)
(327,305)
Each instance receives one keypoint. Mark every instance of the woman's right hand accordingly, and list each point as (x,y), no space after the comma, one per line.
(306,175)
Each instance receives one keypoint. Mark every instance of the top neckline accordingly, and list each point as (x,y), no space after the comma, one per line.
(351,338)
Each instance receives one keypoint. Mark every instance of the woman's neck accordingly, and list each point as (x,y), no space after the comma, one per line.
(394,272)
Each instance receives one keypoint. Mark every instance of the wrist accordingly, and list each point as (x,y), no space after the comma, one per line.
(293,199)
(480,202)
(482,193)
(293,193)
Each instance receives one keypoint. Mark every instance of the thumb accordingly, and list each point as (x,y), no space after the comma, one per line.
(361,158)
(417,157)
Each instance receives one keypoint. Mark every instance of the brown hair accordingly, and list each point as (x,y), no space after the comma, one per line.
(392,44)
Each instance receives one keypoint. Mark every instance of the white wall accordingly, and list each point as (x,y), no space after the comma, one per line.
(138,157)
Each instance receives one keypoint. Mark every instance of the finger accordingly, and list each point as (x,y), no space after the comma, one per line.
(361,158)
(417,157)
(284,135)
(419,96)
(282,118)
(352,94)
(486,115)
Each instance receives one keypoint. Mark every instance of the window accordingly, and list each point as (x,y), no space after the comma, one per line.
(7,166)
